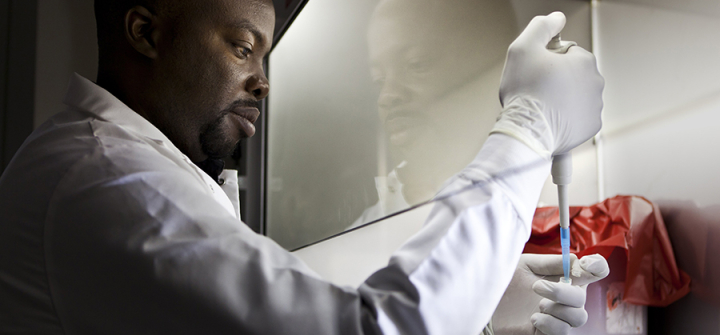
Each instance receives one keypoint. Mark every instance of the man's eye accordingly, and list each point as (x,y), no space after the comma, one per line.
(243,52)
(419,66)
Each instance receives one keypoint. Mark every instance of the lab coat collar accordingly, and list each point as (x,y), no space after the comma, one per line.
(87,96)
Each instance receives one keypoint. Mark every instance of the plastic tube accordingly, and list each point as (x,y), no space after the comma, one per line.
(562,176)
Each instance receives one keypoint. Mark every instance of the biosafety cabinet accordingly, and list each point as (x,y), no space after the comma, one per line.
(375,103)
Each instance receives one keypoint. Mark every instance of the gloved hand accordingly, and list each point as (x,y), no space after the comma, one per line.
(536,303)
(551,102)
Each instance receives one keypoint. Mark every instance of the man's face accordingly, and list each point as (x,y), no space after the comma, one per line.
(421,54)
(211,78)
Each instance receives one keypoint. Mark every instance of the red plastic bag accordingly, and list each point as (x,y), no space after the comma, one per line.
(630,223)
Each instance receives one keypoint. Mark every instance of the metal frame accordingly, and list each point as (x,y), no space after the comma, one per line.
(285,13)
(256,163)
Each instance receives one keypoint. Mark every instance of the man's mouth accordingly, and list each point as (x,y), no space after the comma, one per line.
(402,128)
(244,118)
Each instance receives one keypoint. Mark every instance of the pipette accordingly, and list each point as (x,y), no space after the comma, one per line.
(562,176)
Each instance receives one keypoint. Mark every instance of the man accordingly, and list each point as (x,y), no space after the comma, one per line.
(109,226)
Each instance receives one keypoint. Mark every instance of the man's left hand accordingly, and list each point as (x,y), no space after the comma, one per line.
(536,303)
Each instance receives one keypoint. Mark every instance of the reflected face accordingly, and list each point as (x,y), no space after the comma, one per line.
(421,53)
(411,74)
(212,74)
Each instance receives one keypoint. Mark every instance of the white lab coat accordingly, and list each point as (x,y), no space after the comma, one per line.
(107,228)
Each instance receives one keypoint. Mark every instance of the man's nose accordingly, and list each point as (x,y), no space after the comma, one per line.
(258,86)
(393,94)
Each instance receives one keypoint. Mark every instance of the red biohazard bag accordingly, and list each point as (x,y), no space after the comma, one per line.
(628,223)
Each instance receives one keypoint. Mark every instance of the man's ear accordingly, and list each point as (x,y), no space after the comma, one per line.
(141,30)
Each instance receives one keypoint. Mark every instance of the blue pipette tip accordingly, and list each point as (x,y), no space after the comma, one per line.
(565,244)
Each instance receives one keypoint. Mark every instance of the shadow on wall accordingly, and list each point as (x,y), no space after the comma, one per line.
(66,43)
(695,235)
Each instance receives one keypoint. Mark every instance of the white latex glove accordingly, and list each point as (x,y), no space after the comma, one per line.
(551,102)
(536,303)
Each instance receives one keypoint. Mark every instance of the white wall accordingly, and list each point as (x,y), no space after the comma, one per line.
(661,64)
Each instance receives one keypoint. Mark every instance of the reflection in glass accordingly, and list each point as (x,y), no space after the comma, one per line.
(374,104)
(322,128)
(438,65)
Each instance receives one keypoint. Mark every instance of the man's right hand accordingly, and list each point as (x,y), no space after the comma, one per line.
(551,102)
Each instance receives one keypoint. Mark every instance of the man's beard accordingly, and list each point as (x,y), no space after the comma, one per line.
(215,142)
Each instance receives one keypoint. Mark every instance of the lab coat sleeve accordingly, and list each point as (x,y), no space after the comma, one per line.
(131,248)
(448,278)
